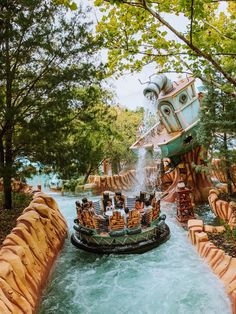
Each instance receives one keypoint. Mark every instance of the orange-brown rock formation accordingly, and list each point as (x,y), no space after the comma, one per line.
(27,255)
(224,266)
(224,210)
(197,182)
(124,181)
(219,173)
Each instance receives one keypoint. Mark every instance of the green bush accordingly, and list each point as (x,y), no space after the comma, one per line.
(234,233)
(79,188)
(19,200)
(230,234)
(70,185)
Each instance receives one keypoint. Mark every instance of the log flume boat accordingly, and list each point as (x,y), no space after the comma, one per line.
(120,231)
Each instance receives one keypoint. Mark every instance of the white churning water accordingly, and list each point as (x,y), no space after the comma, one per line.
(150,118)
(170,279)
(140,171)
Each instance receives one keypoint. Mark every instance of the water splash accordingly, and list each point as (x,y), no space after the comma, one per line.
(150,119)
(140,171)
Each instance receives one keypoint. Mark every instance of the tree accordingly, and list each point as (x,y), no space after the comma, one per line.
(124,135)
(99,132)
(84,144)
(217,130)
(68,3)
(47,71)
(139,32)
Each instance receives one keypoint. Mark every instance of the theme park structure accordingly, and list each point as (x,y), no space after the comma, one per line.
(104,229)
(175,135)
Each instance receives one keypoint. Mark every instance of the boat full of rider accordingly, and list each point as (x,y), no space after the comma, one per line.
(119,224)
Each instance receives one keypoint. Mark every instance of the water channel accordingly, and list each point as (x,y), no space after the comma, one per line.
(171,279)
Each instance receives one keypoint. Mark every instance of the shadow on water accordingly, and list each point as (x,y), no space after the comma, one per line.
(170,279)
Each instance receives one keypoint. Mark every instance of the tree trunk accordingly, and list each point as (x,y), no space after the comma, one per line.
(7,173)
(87,174)
(9,118)
(227,166)
(115,166)
(2,159)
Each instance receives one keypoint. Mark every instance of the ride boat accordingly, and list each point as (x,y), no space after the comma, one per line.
(178,108)
(119,231)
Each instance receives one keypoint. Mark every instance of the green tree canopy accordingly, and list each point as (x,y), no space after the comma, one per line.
(217,129)
(99,132)
(140,32)
(48,75)
(124,131)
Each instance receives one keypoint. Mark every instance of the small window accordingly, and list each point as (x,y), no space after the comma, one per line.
(188,140)
(166,110)
(183,98)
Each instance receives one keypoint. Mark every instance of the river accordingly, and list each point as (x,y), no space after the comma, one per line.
(171,279)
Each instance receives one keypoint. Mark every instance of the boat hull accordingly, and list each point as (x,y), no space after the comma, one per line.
(180,145)
(137,244)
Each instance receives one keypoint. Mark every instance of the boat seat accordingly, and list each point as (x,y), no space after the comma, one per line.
(130,202)
(87,217)
(134,219)
(80,216)
(116,221)
(156,210)
(104,199)
(97,207)
(99,222)
(147,217)
(123,198)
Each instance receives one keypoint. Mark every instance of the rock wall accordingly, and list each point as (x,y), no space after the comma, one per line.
(27,255)
(224,266)
(224,210)
(218,171)
(197,182)
(123,182)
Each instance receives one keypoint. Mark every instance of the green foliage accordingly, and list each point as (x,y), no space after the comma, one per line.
(230,234)
(68,3)
(217,130)
(98,133)
(19,200)
(234,233)
(70,185)
(137,33)
(124,134)
(48,75)
(218,117)
(73,185)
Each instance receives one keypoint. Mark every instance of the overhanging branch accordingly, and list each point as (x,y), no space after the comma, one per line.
(194,48)
(191,21)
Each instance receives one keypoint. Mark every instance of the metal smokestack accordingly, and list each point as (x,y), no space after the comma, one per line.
(157,84)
